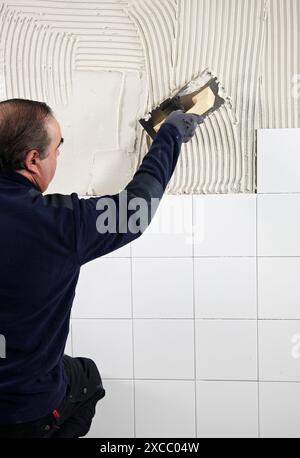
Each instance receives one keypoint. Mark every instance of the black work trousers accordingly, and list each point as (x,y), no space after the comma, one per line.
(73,416)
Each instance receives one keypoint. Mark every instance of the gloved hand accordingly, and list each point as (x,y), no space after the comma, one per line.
(185,123)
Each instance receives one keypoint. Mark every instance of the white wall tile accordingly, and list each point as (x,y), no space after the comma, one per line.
(279,410)
(108,343)
(115,412)
(279,350)
(164,349)
(225,288)
(163,288)
(279,225)
(227,410)
(226,341)
(170,233)
(69,347)
(225,225)
(104,290)
(165,408)
(124,252)
(226,350)
(278,160)
(279,288)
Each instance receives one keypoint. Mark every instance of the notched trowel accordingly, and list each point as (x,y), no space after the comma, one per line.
(203,96)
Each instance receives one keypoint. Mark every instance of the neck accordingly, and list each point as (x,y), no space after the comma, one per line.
(28,175)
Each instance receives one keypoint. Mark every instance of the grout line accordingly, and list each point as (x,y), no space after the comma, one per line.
(195,257)
(289,193)
(288,256)
(132,329)
(257,338)
(200,380)
(203,257)
(187,319)
(194,318)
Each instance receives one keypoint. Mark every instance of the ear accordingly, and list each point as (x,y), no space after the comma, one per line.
(31,161)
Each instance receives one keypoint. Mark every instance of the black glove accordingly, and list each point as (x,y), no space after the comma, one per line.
(185,123)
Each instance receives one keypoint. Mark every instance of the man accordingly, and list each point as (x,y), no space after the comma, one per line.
(45,239)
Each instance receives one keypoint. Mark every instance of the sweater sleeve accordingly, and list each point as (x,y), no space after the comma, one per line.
(105,224)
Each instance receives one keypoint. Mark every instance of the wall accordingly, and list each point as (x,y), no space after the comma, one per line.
(198,333)
(195,333)
(103,65)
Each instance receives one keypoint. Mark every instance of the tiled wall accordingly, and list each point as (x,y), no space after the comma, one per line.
(196,332)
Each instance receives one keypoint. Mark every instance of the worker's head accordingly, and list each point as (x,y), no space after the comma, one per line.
(30,137)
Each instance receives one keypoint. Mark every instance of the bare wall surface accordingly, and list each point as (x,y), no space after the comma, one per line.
(102,65)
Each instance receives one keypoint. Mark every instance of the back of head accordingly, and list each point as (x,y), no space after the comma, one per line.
(22,128)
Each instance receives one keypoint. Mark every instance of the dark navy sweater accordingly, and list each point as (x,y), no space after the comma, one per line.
(44,241)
